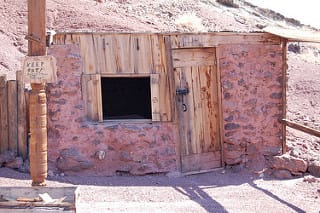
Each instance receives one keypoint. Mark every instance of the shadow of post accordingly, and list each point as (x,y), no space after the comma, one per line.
(270,194)
(196,194)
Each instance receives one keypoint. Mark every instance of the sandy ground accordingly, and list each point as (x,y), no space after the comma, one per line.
(231,190)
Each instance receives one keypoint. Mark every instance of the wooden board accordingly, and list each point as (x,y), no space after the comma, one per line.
(193,57)
(200,162)
(22,118)
(13,116)
(155,104)
(91,90)
(27,199)
(215,39)
(4,145)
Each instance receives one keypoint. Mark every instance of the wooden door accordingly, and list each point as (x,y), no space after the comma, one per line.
(195,76)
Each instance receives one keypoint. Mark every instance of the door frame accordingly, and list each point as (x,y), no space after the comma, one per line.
(219,113)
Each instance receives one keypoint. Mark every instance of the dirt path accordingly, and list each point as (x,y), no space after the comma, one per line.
(220,191)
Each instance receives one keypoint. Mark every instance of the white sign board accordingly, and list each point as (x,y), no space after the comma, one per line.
(39,69)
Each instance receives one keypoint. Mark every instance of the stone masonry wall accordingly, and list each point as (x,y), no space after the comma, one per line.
(78,146)
(251,82)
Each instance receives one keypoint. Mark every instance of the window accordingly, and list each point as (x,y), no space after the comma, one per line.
(126,98)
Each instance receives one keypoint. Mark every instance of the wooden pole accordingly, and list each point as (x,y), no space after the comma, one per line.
(284,94)
(302,128)
(4,137)
(38,103)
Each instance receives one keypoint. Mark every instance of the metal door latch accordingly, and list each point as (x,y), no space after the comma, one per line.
(182,91)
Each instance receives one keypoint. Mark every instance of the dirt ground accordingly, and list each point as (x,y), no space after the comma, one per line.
(231,190)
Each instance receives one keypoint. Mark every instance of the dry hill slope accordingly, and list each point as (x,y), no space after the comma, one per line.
(127,15)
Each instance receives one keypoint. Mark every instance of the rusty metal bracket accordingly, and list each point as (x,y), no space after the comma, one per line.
(32,38)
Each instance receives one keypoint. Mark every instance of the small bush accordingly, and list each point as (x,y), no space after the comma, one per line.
(190,22)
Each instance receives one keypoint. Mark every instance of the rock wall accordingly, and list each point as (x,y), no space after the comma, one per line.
(251,83)
(82,147)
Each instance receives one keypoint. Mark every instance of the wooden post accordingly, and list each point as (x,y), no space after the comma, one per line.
(3,114)
(12,116)
(284,94)
(38,110)
(22,117)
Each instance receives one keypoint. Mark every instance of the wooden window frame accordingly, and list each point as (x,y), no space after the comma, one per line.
(92,95)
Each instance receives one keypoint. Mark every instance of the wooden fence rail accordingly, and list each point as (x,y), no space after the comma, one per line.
(13,116)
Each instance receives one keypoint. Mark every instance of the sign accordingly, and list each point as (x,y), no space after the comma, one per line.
(39,69)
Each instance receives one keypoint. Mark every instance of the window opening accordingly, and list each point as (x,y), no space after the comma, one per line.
(126,98)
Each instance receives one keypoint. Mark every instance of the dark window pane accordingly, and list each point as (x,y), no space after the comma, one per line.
(126,98)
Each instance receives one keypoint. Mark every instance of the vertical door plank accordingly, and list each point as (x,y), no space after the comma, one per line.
(180,83)
(210,110)
(13,116)
(197,125)
(4,141)
(190,106)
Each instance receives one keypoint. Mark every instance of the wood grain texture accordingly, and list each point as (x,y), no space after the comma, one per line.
(193,57)
(155,101)
(22,118)
(202,161)
(215,39)
(38,107)
(219,93)
(284,94)
(198,109)
(13,116)
(37,27)
(4,145)
(91,90)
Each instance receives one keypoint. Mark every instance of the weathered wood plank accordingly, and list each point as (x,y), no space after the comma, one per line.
(210,110)
(193,57)
(13,116)
(88,54)
(302,128)
(27,199)
(215,39)
(196,111)
(155,104)
(183,117)
(142,54)
(22,117)
(190,106)
(284,94)
(202,161)
(4,141)
(91,90)
(219,95)
(166,56)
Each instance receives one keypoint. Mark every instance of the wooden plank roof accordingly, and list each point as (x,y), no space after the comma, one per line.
(295,34)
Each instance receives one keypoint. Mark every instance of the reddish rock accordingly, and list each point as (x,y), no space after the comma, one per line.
(314,168)
(290,163)
(6,157)
(72,160)
(282,174)
(15,164)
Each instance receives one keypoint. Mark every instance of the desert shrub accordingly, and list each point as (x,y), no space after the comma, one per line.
(190,22)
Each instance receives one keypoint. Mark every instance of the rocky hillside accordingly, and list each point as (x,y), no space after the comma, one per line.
(132,16)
